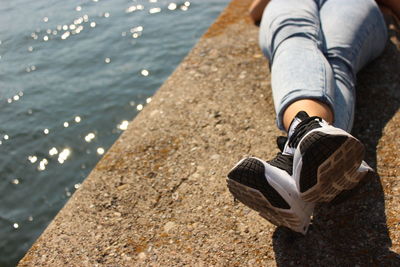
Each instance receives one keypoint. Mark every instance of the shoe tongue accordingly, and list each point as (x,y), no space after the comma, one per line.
(287,150)
(282,142)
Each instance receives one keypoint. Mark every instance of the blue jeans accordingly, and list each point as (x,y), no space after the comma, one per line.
(315,49)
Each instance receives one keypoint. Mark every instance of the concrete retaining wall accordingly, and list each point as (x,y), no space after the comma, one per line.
(158,197)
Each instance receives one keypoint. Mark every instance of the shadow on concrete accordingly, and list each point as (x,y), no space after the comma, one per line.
(355,231)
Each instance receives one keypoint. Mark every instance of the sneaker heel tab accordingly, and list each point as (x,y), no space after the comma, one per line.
(302,115)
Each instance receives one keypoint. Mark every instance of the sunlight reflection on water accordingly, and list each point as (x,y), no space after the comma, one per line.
(72,78)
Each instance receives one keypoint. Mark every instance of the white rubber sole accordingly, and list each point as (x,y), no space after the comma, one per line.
(296,216)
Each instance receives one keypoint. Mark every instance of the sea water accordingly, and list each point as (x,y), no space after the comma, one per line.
(73,74)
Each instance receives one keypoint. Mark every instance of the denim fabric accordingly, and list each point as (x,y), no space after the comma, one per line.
(315,49)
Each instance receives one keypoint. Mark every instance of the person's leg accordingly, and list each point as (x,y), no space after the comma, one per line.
(327,159)
(355,33)
(301,76)
(317,161)
(290,36)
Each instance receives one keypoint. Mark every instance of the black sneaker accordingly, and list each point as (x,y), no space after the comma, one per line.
(327,160)
(269,189)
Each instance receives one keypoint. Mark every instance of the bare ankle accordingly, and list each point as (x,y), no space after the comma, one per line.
(311,106)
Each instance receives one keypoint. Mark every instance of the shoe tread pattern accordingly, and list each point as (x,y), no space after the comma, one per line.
(251,173)
(247,183)
(330,164)
(255,200)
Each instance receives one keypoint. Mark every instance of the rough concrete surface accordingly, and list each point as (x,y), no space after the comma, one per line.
(159,196)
